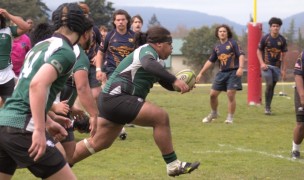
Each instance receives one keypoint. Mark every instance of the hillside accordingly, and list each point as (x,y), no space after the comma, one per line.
(171,18)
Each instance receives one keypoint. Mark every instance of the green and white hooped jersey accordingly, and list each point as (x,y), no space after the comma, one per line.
(55,51)
(130,77)
(6,40)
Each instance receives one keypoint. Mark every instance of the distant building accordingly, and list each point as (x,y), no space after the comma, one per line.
(177,61)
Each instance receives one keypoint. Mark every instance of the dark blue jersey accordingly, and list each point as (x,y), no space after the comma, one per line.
(272,48)
(116,47)
(228,54)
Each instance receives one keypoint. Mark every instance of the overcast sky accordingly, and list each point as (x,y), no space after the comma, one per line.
(235,10)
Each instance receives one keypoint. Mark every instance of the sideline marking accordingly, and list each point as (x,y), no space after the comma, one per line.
(240,149)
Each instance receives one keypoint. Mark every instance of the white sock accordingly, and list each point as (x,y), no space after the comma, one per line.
(295,147)
(230,117)
(214,112)
(173,164)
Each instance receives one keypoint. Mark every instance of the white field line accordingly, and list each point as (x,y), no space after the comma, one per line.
(241,149)
(292,84)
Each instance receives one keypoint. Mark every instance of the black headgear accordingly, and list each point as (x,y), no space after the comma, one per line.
(70,15)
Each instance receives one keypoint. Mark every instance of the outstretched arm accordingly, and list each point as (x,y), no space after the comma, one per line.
(23,26)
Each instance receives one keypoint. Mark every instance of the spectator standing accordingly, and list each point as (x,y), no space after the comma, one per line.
(21,45)
(137,23)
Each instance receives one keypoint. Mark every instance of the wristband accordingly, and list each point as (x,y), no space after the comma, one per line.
(98,69)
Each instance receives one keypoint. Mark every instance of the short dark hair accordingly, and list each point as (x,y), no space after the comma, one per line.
(121,12)
(275,20)
(138,17)
(2,22)
(41,32)
(226,27)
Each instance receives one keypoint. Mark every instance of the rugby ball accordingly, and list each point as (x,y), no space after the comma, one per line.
(188,76)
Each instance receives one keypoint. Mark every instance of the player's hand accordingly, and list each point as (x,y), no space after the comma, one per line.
(93,125)
(264,67)
(181,85)
(61,108)
(57,131)
(100,75)
(38,146)
(64,121)
(198,78)
(4,13)
(239,72)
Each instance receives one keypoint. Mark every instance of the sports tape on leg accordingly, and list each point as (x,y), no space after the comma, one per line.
(88,146)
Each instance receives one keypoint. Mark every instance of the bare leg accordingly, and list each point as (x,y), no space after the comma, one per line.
(5,176)
(95,92)
(63,174)
(153,116)
(298,133)
(105,135)
(213,99)
(61,149)
(69,148)
(231,101)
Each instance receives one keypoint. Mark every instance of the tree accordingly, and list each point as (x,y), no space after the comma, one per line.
(198,46)
(290,32)
(300,40)
(101,11)
(34,9)
(181,31)
(153,21)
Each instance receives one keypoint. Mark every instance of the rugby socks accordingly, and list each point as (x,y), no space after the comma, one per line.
(170,157)
(230,117)
(295,147)
(214,112)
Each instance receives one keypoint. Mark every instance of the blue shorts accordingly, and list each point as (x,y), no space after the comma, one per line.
(227,80)
(272,74)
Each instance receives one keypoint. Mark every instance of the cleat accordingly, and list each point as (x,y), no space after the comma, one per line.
(268,111)
(295,155)
(228,121)
(182,168)
(123,134)
(209,118)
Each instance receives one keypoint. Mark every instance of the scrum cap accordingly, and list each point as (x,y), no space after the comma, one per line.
(70,15)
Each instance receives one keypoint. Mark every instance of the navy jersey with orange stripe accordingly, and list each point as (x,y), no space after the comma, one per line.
(272,49)
(228,54)
(116,47)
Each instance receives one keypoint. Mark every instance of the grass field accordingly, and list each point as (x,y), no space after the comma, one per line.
(254,147)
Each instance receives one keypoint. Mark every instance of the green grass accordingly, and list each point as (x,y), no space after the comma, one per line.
(254,147)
